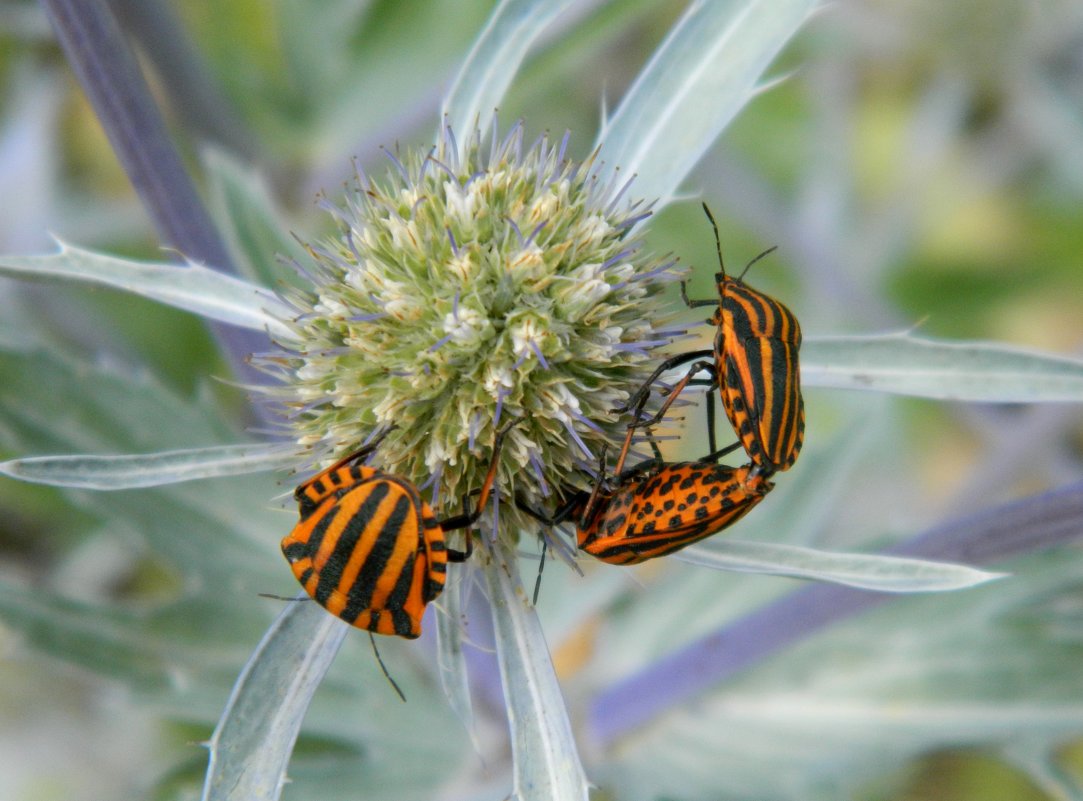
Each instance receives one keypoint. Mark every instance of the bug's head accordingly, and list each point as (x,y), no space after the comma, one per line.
(757,479)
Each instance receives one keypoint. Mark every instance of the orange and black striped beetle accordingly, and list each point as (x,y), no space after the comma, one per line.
(657,507)
(368,549)
(754,364)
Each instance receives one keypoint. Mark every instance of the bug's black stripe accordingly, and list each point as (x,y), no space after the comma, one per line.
(769,336)
(402,623)
(754,379)
(360,592)
(305,506)
(776,415)
(400,594)
(355,528)
(359,597)
(749,309)
(311,545)
(774,370)
(295,551)
(432,589)
(791,406)
(756,314)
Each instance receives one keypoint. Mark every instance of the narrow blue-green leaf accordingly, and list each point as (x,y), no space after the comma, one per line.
(129,471)
(986,372)
(867,571)
(546,762)
(197,289)
(252,742)
(494,59)
(451,664)
(699,78)
(243,206)
(1039,761)
(991,667)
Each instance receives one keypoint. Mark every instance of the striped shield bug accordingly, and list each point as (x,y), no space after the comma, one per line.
(367,547)
(755,367)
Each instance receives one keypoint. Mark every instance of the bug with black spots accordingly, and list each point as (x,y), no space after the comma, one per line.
(656,508)
(754,364)
(368,549)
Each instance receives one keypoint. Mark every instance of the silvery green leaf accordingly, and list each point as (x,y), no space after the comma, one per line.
(868,571)
(244,209)
(802,505)
(495,57)
(358,93)
(987,372)
(450,662)
(139,647)
(918,673)
(1042,765)
(209,531)
(252,743)
(546,761)
(129,471)
(699,78)
(194,288)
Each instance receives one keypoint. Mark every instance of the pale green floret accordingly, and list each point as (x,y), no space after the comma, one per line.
(508,283)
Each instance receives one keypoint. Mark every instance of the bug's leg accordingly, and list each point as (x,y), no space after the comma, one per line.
(655,450)
(592,501)
(673,393)
(562,515)
(639,396)
(714,456)
(468,518)
(454,555)
(711,443)
(694,304)
(541,567)
(627,444)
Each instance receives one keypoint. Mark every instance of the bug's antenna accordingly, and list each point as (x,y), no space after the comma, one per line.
(767,252)
(383,667)
(717,239)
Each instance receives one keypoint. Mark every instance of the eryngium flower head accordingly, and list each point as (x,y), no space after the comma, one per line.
(466,288)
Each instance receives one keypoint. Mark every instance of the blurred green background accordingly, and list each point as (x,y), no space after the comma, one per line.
(921,164)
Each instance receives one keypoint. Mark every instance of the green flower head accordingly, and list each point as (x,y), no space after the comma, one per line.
(469,287)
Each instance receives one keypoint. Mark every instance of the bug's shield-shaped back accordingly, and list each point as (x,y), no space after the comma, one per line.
(366,554)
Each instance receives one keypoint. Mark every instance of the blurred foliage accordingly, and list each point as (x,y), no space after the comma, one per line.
(922,164)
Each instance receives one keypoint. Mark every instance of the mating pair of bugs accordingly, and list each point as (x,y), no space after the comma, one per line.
(372,552)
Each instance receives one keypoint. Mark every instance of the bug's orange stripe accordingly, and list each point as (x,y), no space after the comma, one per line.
(756,353)
(375,534)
